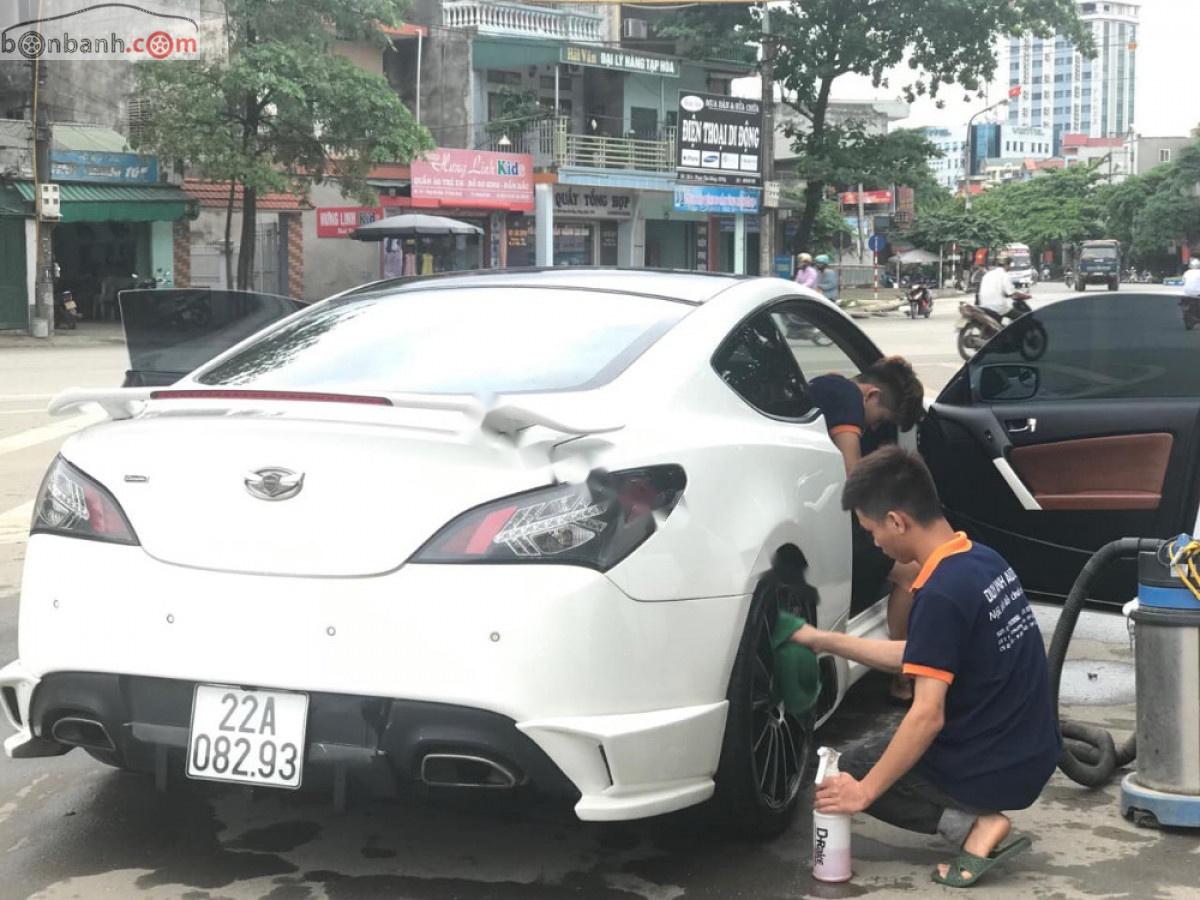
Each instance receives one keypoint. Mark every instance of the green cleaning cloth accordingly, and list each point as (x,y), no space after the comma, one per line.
(797,675)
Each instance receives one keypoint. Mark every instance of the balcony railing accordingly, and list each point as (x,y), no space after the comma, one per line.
(523,20)
(552,143)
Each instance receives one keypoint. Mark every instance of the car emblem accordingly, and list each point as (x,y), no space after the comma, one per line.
(274,483)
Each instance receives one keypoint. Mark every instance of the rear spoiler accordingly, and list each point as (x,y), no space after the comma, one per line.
(118,403)
(503,419)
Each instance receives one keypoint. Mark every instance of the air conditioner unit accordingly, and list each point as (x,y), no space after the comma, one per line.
(636,29)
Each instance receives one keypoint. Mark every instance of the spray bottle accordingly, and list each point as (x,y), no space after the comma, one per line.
(831,833)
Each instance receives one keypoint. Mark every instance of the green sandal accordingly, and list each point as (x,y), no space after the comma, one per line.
(978,866)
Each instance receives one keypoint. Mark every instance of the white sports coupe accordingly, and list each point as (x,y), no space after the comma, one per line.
(491,531)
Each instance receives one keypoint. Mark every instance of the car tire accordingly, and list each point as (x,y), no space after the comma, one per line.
(767,753)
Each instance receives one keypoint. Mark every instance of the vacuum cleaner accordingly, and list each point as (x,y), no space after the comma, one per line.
(1164,790)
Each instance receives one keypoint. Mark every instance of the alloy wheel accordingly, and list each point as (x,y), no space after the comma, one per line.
(781,743)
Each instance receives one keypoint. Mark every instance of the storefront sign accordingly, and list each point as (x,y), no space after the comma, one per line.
(339,221)
(90,165)
(621,60)
(702,234)
(719,139)
(716,200)
(593,203)
(475,178)
(609,243)
(870,198)
(519,251)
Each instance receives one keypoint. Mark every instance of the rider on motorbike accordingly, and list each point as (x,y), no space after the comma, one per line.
(998,295)
(827,279)
(1191,278)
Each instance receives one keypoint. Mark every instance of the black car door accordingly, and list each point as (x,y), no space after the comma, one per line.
(170,332)
(1077,425)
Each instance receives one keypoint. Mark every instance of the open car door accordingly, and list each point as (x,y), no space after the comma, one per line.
(170,332)
(1077,425)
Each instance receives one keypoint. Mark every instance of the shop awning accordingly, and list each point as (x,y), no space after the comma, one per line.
(11,203)
(117,202)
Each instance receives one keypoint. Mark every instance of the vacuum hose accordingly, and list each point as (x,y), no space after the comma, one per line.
(1089,755)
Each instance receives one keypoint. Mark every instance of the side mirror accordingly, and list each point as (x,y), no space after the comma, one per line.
(1000,383)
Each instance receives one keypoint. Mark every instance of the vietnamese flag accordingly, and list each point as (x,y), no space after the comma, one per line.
(1014,91)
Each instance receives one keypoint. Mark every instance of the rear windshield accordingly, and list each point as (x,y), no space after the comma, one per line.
(1099,253)
(455,341)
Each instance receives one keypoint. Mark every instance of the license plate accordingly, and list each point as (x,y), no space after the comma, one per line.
(247,737)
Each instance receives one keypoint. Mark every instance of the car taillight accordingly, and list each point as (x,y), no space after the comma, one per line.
(72,504)
(595,524)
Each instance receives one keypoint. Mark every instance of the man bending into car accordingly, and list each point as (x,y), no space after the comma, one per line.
(981,736)
(857,409)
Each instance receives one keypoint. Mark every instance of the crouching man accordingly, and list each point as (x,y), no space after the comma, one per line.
(981,736)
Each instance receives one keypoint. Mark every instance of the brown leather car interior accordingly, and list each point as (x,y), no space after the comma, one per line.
(1119,472)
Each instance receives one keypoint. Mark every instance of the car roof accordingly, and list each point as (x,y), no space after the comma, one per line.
(683,286)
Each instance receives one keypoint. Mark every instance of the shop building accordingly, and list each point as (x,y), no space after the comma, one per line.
(603,149)
(117,221)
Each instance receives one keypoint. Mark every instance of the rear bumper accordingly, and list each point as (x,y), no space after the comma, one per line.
(611,767)
(625,700)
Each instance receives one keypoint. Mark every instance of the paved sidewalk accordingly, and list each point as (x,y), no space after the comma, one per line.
(86,334)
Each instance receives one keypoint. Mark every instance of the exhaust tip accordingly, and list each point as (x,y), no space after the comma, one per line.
(81,732)
(465,770)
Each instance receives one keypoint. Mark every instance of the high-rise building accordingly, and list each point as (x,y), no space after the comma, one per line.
(1073,95)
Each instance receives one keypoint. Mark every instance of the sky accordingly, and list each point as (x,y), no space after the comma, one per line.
(1167,101)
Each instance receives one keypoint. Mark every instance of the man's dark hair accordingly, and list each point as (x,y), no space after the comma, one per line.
(892,480)
(900,390)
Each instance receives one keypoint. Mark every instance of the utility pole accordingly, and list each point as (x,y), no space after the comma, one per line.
(43,315)
(766,226)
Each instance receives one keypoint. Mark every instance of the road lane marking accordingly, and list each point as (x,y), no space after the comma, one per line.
(14,524)
(33,436)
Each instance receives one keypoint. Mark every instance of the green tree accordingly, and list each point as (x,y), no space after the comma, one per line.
(952,223)
(1062,206)
(514,112)
(830,230)
(283,112)
(1169,211)
(1124,202)
(943,42)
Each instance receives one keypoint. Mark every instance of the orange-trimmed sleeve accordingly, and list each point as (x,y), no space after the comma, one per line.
(845,429)
(928,672)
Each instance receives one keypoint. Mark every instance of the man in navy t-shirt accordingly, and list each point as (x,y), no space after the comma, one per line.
(981,736)
(856,410)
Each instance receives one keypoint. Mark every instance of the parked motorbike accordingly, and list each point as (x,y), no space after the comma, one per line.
(66,312)
(919,300)
(1069,278)
(978,326)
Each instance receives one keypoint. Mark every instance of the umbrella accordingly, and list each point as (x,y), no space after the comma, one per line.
(410,226)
